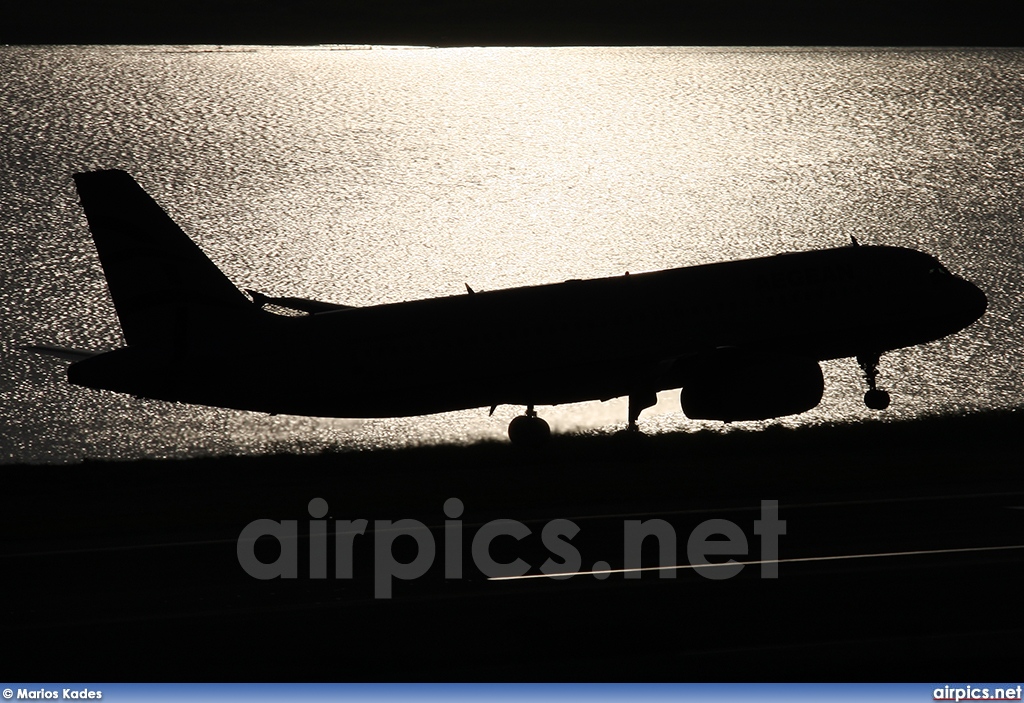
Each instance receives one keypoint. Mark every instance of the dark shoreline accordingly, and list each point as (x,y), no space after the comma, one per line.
(585,472)
(128,571)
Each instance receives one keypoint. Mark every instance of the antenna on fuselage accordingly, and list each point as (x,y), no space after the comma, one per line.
(853,241)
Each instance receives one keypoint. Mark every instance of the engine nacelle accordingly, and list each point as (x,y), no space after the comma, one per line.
(733,384)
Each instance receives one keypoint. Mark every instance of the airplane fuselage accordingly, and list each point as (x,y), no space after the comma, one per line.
(548,344)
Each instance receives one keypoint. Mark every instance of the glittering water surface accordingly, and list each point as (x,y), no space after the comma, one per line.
(373,176)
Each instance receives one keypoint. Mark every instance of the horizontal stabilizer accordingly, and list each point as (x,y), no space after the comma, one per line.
(62,352)
(305,305)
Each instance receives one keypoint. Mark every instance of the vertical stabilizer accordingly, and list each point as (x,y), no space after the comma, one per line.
(157,276)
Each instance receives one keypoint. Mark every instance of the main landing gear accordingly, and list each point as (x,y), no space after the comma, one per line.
(875,398)
(638,402)
(529,430)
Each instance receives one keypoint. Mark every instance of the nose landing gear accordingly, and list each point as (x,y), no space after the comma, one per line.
(875,398)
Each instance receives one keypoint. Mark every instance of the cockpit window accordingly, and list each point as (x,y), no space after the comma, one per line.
(939,269)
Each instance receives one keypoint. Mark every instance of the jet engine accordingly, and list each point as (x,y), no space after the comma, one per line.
(734,384)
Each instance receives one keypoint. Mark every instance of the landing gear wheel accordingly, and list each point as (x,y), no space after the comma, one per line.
(629,439)
(629,433)
(876,399)
(529,430)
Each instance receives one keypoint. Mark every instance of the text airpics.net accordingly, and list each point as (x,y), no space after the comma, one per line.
(975,693)
(715,537)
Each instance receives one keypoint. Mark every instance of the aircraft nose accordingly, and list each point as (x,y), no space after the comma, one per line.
(972,301)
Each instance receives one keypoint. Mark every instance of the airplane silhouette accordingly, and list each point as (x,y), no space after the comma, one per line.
(742,339)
